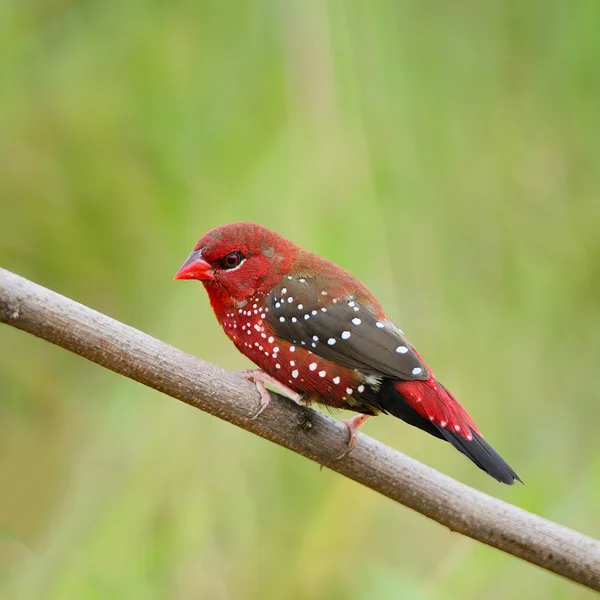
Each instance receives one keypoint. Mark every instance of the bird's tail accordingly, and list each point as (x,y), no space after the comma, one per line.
(429,406)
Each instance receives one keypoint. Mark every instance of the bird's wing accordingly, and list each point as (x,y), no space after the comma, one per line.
(340,329)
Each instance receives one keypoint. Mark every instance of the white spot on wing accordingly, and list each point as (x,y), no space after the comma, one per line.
(417,371)
(345,335)
(402,350)
(356,321)
(331,341)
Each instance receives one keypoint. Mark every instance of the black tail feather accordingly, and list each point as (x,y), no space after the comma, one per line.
(483,455)
(477,449)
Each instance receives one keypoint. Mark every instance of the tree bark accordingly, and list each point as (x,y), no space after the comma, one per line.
(120,348)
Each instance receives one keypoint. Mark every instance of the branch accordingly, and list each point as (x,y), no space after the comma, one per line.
(120,348)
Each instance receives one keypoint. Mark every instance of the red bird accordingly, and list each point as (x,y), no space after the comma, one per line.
(319,335)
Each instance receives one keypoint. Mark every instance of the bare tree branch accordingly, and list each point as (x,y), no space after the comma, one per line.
(120,348)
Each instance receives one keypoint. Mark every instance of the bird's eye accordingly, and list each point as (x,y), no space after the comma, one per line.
(233,259)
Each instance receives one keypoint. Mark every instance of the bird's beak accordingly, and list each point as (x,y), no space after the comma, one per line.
(195,267)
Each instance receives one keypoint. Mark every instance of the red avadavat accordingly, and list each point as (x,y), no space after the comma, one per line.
(319,335)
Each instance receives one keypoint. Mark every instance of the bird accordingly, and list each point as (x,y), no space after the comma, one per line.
(318,335)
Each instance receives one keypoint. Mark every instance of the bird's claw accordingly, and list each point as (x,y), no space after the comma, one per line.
(352,424)
(259,378)
(256,376)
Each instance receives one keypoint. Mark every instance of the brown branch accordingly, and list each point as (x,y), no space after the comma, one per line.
(120,348)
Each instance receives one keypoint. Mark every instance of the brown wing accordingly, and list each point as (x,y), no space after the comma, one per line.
(340,329)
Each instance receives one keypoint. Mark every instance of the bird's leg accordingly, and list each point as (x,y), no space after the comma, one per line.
(352,424)
(260,378)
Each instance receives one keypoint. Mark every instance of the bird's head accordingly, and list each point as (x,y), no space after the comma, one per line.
(238,260)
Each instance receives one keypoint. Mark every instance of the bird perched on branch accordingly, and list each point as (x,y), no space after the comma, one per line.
(319,335)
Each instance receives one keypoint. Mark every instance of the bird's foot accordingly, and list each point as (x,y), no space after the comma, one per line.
(352,424)
(259,378)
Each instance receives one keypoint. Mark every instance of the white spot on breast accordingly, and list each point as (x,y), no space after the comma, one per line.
(417,371)
(271,339)
(401,349)
(361,389)
(257,327)
(323,309)
(443,424)
(278,366)
(312,366)
(295,373)
(323,293)
(283,291)
(351,303)
(345,335)
(313,312)
(316,338)
(276,350)
(336,380)
(290,299)
(457,428)
(292,348)
(349,390)
(322,373)
(281,319)
(300,306)
(356,321)
(306,316)
(294,320)
(302,280)
(292,363)
(331,341)
(356,309)
(277,304)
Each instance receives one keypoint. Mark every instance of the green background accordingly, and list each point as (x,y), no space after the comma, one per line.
(444,152)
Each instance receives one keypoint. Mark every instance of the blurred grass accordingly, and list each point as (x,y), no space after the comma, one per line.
(446,153)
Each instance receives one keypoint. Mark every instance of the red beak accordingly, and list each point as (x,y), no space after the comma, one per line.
(195,267)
